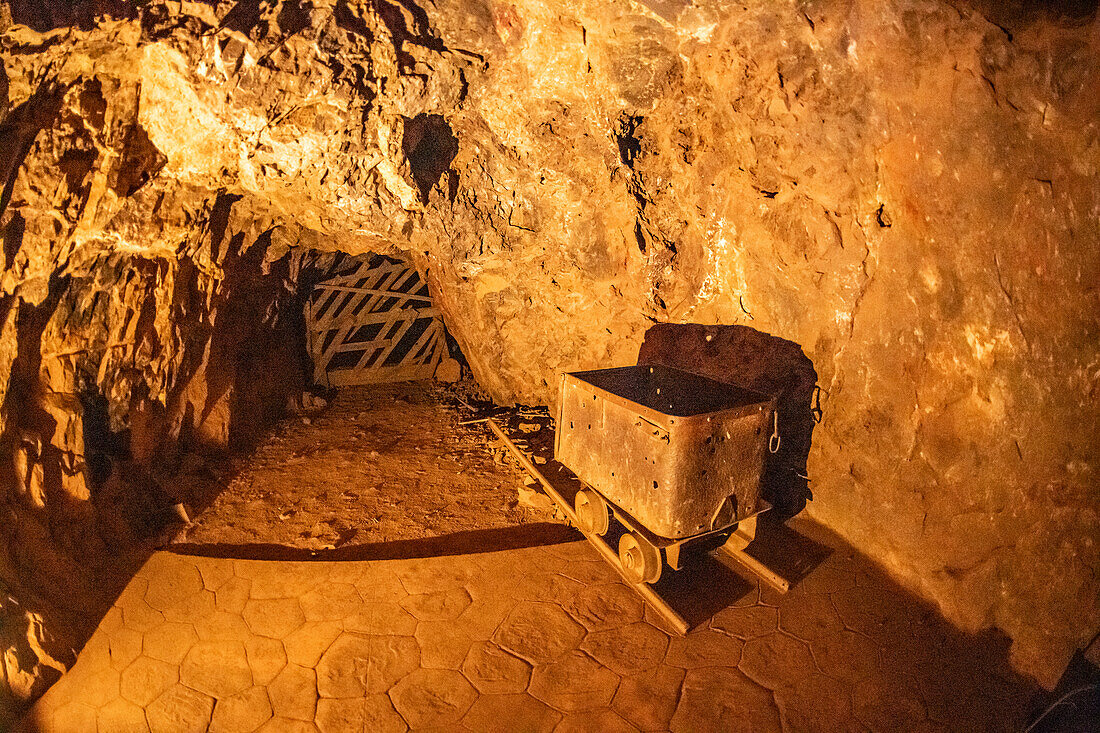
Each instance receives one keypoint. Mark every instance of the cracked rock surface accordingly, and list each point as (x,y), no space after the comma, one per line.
(907,190)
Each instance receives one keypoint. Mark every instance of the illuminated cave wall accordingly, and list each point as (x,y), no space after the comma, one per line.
(906,189)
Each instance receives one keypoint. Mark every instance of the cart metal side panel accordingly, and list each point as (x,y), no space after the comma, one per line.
(681,453)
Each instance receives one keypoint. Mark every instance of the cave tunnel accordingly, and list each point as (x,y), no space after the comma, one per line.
(468,366)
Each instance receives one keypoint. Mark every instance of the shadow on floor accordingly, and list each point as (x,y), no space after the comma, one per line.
(889,657)
(713,581)
(459,543)
(1074,705)
(708,582)
(136,508)
(790,554)
(846,645)
(703,588)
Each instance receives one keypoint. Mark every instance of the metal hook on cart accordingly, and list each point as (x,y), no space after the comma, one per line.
(815,404)
(775,440)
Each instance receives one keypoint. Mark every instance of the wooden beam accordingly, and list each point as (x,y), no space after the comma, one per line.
(353,304)
(427,337)
(365,276)
(361,273)
(761,570)
(350,303)
(386,293)
(343,304)
(366,319)
(361,345)
(379,375)
(427,349)
(395,339)
(344,314)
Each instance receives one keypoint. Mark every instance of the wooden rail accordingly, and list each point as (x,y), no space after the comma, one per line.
(650,596)
(761,570)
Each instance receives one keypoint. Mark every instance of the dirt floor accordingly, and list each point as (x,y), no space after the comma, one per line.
(378,464)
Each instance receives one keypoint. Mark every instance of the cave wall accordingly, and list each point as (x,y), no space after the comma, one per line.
(142,321)
(129,366)
(906,189)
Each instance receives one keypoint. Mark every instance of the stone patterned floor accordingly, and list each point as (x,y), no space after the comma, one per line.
(536,639)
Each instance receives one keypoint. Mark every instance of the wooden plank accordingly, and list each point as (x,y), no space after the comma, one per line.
(336,347)
(351,303)
(761,570)
(350,314)
(360,274)
(328,303)
(345,303)
(658,604)
(395,339)
(370,357)
(425,337)
(361,345)
(324,302)
(351,377)
(356,306)
(387,293)
(319,375)
(362,279)
(363,272)
(434,352)
(366,319)
(379,362)
(393,290)
(320,363)
(424,352)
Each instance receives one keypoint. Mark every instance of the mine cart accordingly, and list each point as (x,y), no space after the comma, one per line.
(675,457)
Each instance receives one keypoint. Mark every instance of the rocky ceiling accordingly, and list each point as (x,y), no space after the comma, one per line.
(906,189)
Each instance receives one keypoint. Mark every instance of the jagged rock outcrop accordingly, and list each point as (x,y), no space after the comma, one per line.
(908,190)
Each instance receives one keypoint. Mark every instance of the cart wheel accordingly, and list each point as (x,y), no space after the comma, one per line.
(641,560)
(592,514)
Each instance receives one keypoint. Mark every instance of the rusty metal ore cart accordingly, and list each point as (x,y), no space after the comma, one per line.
(675,457)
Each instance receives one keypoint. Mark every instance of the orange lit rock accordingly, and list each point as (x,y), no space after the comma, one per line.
(907,192)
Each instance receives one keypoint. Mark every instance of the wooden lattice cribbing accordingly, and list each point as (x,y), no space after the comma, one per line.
(373,323)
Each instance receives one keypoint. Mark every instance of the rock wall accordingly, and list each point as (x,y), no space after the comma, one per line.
(906,189)
(142,320)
